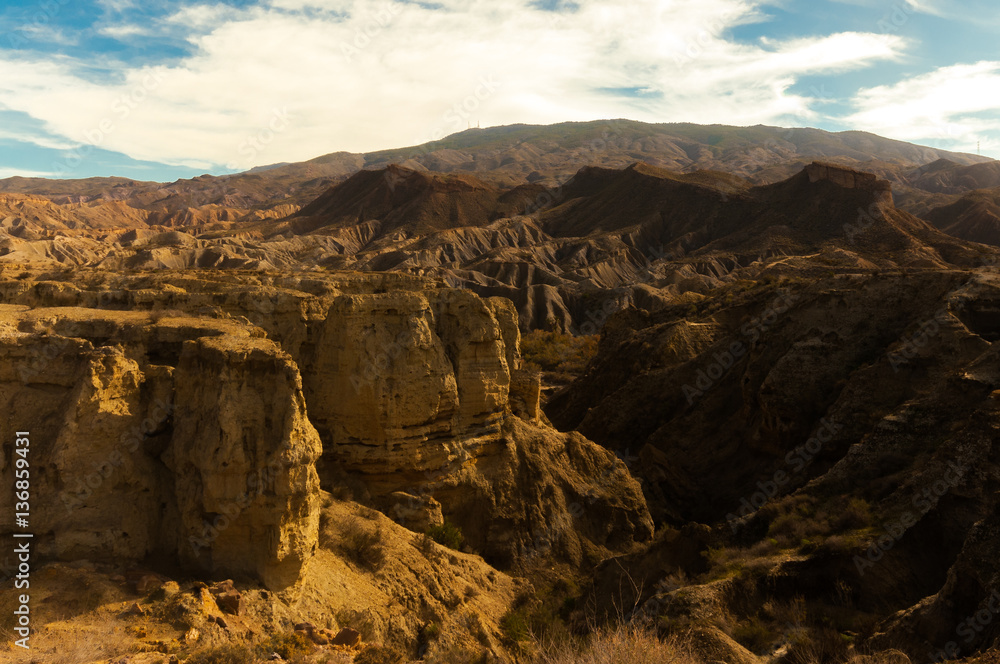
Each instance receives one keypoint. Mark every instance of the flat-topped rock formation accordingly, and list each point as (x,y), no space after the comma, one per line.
(845,177)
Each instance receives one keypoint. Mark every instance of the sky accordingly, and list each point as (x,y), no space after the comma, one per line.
(162,90)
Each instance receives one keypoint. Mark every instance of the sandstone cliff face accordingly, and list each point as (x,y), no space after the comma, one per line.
(230,489)
(846,177)
(403,382)
(195,438)
(412,394)
(81,406)
(243,458)
(544,494)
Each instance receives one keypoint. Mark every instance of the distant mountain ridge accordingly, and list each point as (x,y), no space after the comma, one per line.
(519,153)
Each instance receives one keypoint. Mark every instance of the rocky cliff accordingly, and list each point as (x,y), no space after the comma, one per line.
(172,435)
(838,433)
(192,436)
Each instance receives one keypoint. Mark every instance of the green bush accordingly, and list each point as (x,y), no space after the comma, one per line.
(447,534)
(289,646)
(515,626)
(754,635)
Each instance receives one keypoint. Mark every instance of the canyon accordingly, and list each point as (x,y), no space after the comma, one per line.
(323,394)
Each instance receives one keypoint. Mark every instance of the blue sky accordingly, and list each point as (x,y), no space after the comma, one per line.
(163,90)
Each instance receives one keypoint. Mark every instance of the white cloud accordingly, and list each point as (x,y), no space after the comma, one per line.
(896,14)
(116,6)
(47,34)
(956,106)
(200,17)
(49,142)
(367,74)
(124,31)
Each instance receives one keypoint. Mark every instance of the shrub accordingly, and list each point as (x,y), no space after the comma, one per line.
(817,646)
(558,352)
(376,654)
(856,515)
(431,631)
(534,618)
(231,654)
(792,612)
(514,626)
(289,646)
(447,534)
(754,635)
(618,646)
(364,546)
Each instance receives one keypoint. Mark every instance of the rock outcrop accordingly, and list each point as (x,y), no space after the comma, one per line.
(415,394)
(189,436)
(845,177)
(403,382)
(243,459)
(207,454)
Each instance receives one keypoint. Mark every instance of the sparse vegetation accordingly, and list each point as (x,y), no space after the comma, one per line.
(617,646)
(804,524)
(378,654)
(564,356)
(103,638)
(515,626)
(447,534)
(818,646)
(363,545)
(540,615)
(289,646)
(228,654)
(459,655)
(431,631)
(754,635)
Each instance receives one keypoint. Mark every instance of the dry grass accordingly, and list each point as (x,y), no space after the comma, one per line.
(619,645)
(361,542)
(887,657)
(103,640)
(633,645)
(232,654)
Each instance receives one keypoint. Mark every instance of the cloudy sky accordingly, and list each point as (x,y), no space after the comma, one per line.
(161,90)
